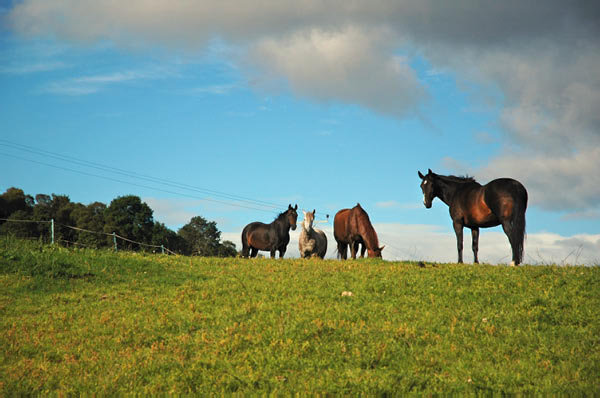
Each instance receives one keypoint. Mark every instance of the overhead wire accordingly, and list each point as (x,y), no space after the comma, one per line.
(135,184)
(250,203)
(132,174)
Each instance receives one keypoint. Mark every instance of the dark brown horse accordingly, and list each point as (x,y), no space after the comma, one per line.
(351,227)
(270,237)
(500,202)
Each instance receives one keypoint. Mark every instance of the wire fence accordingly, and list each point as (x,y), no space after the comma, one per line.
(114,235)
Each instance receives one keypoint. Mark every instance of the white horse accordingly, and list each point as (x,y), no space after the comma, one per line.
(312,242)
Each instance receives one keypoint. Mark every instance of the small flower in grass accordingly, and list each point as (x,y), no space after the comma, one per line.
(484,320)
(469,380)
(345,293)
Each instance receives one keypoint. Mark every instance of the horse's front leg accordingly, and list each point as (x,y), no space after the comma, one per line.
(342,250)
(356,246)
(458,230)
(475,239)
(282,252)
(353,249)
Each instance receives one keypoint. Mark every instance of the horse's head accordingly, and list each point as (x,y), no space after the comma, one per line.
(375,252)
(428,188)
(292,216)
(309,218)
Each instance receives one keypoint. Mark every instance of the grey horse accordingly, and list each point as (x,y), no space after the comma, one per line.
(312,242)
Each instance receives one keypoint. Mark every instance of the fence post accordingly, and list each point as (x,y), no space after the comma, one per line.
(52,231)
(162,248)
(115,240)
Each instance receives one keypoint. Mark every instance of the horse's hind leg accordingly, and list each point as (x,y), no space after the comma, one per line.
(475,239)
(245,250)
(253,252)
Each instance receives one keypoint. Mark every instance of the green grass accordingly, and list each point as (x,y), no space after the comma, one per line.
(99,322)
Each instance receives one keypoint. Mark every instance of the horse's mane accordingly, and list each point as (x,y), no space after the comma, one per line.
(459,179)
(280,215)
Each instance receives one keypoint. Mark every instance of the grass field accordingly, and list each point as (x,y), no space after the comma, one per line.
(101,322)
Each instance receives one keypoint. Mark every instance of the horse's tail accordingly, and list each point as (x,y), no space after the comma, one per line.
(342,250)
(245,245)
(518,225)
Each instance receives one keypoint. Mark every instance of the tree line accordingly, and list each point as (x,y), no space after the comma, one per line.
(127,216)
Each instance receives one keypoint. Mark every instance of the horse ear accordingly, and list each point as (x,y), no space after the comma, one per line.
(430,172)
(381,248)
(289,206)
(295,208)
(314,211)
(421,176)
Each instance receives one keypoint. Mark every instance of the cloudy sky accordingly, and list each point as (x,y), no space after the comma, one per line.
(254,105)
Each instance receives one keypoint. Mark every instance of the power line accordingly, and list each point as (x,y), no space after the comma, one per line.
(135,184)
(131,174)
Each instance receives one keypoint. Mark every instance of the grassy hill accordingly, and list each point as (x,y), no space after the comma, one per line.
(104,322)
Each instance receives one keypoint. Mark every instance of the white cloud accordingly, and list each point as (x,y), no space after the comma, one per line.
(353,65)
(85,85)
(32,68)
(583,215)
(173,212)
(550,120)
(221,89)
(553,181)
(387,204)
(542,60)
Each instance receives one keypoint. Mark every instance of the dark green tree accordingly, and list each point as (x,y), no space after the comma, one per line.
(202,237)
(91,218)
(130,218)
(227,249)
(60,209)
(161,235)
(18,227)
(14,199)
(17,207)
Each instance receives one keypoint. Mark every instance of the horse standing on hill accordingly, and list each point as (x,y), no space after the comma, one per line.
(312,242)
(351,227)
(269,237)
(501,201)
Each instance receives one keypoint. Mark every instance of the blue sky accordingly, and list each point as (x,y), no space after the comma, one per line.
(311,106)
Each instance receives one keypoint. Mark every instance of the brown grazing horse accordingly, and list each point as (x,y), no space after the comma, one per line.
(351,227)
(472,205)
(270,237)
